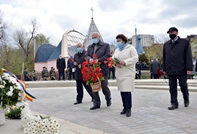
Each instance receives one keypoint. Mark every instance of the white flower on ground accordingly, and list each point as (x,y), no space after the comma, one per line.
(10,93)
(11,88)
(26,130)
(2,86)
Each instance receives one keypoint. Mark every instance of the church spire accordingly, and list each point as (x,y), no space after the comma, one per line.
(92,28)
(92,12)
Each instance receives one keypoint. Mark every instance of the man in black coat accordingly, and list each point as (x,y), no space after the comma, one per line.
(79,58)
(154,66)
(61,65)
(177,64)
(70,65)
(138,67)
(102,50)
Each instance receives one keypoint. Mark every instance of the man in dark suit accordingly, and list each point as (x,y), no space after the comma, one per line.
(71,68)
(61,65)
(79,58)
(177,64)
(154,67)
(138,67)
(102,50)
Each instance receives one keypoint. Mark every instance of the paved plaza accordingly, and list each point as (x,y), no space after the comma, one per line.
(149,113)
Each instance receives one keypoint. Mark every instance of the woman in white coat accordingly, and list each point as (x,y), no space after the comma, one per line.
(125,71)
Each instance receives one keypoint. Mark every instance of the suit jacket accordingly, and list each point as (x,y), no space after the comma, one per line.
(154,66)
(60,64)
(79,58)
(102,52)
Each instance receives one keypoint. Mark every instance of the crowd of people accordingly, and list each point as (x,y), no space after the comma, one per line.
(177,64)
(69,73)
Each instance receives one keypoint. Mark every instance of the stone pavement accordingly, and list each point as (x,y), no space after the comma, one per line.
(14,127)
(149,112)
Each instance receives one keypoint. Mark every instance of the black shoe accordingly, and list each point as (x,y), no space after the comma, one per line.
(123,111)
(172,107)
(94,107)
(128,112)
(109,103)
(186,103)
(77,102)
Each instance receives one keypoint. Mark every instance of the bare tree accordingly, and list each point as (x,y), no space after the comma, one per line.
(25,40)
(3,26)
(161,38)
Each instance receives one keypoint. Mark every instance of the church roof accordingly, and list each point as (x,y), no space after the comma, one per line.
(48,52)
(56,52)
(92,28)
(44,52)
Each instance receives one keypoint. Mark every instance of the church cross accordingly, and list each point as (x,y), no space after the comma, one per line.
(92,11)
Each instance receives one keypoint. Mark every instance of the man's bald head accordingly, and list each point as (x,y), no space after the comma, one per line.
(96,35)
(79,45)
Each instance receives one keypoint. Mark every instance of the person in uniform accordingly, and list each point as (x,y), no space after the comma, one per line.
(45,73)
(52,73)
(26,75)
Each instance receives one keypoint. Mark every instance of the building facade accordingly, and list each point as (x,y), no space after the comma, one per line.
(47,54)
(146,40)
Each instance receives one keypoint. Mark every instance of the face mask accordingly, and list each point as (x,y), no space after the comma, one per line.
(95,40)
(79,49)
(119,44)
(60,57)
(172,36)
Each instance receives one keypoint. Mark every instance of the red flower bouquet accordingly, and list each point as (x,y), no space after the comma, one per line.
(91,74)
(160,73)
(112,61)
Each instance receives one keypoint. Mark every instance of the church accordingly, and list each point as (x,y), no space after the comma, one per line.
(47,54)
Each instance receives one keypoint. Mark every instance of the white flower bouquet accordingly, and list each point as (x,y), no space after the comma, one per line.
(42,126)
(37,124)
(11,91)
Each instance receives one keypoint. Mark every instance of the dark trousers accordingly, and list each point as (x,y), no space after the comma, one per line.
(61,74)
(173,87)
(138,76)
(126,99)
(71,75)
(80,84)
(27,79)
(106,92)
(155,76)
(112,70)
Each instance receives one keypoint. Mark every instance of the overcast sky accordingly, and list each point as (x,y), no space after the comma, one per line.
(111,16)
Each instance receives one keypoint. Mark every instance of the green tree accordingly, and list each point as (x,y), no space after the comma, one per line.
(41,39)
(25,40)
(194,46)
(144,58)
(155,51)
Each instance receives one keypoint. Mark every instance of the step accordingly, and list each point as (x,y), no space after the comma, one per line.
(192,89)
